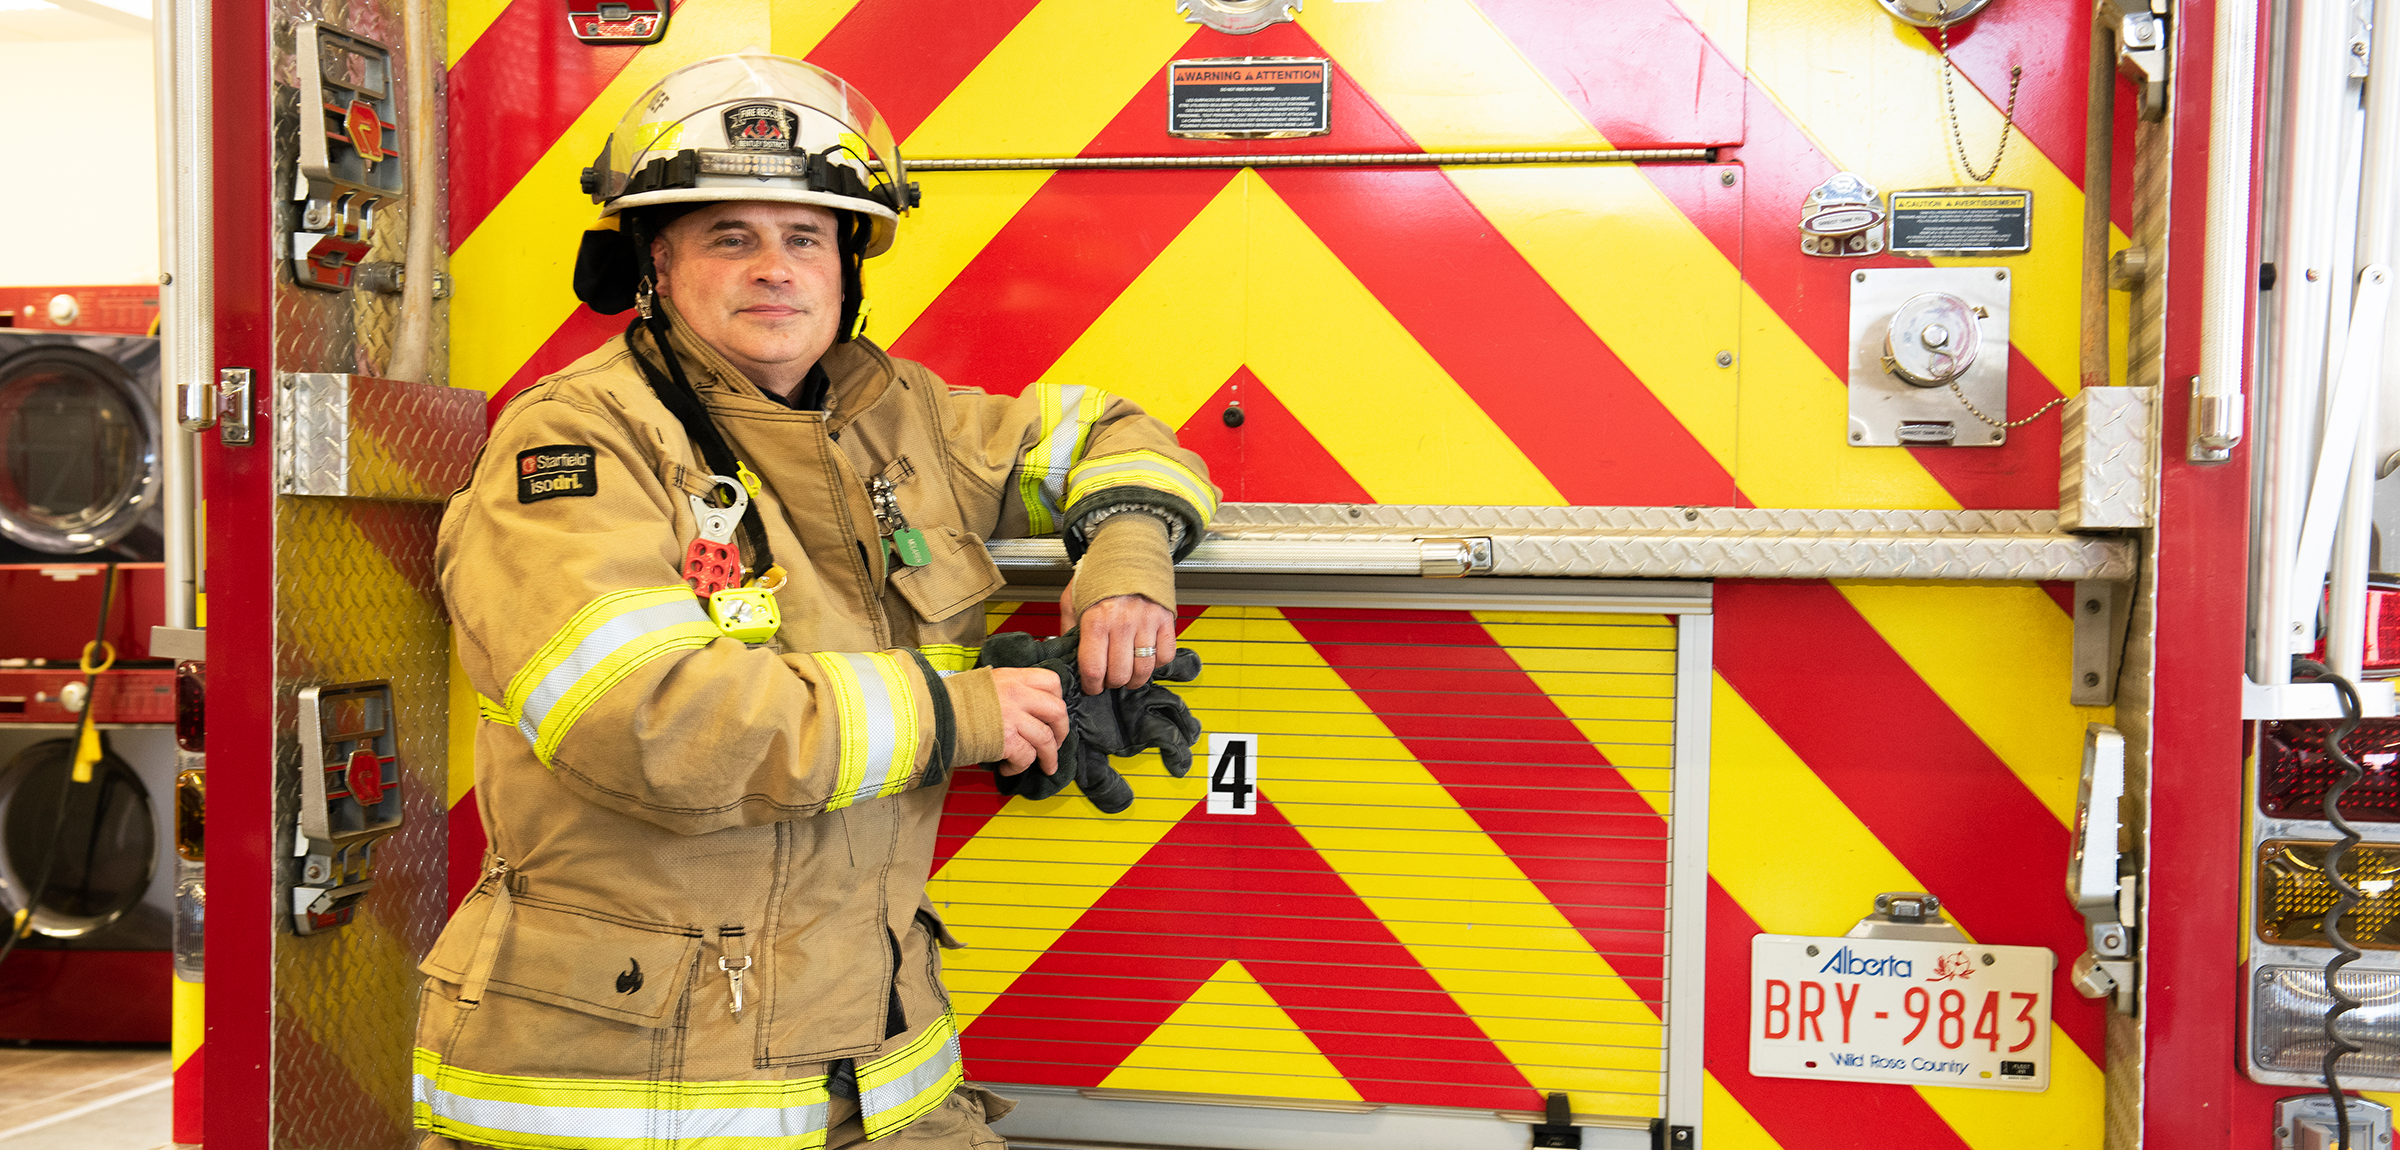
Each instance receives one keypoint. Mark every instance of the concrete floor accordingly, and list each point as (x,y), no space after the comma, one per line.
(60,1096)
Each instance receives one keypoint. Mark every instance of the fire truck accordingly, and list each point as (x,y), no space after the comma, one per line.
(1808,576)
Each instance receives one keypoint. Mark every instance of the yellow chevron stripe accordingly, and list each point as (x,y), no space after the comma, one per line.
(466,21)
(1783,845)
(514,274)
(1729,1126)
(1115,48)
(1353,376)
(2067,1116)
(1446,76)
(796,27)
(1231,1037)
(1779,840)
(1867,89)
(1420,862)
(984,892)
(1726,23)
(1615,680)
(1999,656)
(1667,337)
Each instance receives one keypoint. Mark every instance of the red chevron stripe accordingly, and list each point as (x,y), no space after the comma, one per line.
(1896,755)
(1085,236)
(2044,37)
(467,844)
(1498,329)
(1031,292)
(502,120)
(1537,797)
(582,330)
(1780,165)
(1658,83)
(1794,1111)
(908,55)
(1250,889)
(1271,457)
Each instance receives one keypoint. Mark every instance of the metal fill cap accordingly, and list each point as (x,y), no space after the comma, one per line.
(1932,339)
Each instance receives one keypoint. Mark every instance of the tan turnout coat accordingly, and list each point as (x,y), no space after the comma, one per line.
(669,808)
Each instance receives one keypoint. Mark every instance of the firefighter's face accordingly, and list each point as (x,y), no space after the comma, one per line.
(760,282)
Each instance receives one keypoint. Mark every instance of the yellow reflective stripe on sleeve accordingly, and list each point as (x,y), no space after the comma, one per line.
(902,1086)
(950,657)
(1068,414)
(879,724)
(614,1114)
(609,639)
(1142,469)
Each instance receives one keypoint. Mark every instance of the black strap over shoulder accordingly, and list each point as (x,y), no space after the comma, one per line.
(675,390)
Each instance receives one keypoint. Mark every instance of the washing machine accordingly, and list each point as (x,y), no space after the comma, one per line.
(79,490)
(79,447)
(95,963)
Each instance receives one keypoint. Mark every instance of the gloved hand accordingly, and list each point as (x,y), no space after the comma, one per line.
(1120,721)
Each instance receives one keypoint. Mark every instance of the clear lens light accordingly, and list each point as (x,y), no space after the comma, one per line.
(752,164)
(2288,1022)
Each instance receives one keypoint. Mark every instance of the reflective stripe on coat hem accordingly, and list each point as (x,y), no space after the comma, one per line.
(509,1110)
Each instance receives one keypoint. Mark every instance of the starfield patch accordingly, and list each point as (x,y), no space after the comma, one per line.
(560,469)
(759,128)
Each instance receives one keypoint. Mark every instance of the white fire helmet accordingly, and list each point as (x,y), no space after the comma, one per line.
(754,127)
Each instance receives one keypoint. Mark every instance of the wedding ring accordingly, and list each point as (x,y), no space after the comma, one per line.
(1144,652)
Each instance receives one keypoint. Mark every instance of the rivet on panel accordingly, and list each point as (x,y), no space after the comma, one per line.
(1724,359)
(1725,177)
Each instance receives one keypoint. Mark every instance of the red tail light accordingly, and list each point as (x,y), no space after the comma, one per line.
(2382,660)
(191,706)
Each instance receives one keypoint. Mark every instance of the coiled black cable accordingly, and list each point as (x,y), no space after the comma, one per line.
(2347,896)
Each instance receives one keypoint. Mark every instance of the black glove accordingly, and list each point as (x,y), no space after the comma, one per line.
(1119,721)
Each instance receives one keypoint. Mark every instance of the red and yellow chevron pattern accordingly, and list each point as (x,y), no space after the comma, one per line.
(1518,335)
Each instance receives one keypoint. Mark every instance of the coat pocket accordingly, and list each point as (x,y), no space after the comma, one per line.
(960,575)
(582,960)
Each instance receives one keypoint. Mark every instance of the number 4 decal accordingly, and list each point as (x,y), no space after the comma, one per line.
(1232,777)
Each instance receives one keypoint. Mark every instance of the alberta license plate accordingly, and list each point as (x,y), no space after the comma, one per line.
(1878,1010)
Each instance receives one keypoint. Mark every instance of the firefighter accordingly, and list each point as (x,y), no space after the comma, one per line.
(720,586)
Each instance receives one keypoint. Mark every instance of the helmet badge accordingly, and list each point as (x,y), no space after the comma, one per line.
(759,128)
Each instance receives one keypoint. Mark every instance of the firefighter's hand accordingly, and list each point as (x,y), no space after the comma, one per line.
(1116,631)
(1033,718)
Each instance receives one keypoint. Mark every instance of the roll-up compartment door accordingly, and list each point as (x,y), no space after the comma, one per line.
(1434,886)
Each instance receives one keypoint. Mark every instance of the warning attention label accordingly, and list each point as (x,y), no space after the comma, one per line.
(1251,98)
(1962,220)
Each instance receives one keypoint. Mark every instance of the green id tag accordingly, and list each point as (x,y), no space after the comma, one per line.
(909,544)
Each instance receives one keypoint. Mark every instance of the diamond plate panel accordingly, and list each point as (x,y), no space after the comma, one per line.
(370,438)
(2106,445)
(1644,542)
(355,599)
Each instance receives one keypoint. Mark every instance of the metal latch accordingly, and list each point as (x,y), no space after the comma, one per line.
(2307,1122)
(1451,558)
(349,799)
(1907,914)
(617,21)
(2099,882)
(2140,28)
(350,162)
(233,406)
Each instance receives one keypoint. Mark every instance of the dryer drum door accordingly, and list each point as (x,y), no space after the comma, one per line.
(78,443)
(91,848)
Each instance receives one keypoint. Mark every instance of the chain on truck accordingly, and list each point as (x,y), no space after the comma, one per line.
(1798,574)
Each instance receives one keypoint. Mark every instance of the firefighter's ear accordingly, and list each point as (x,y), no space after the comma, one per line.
(607,272)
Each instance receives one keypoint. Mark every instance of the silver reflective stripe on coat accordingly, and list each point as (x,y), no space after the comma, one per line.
(595,647)
(876,726)
(614,1122)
